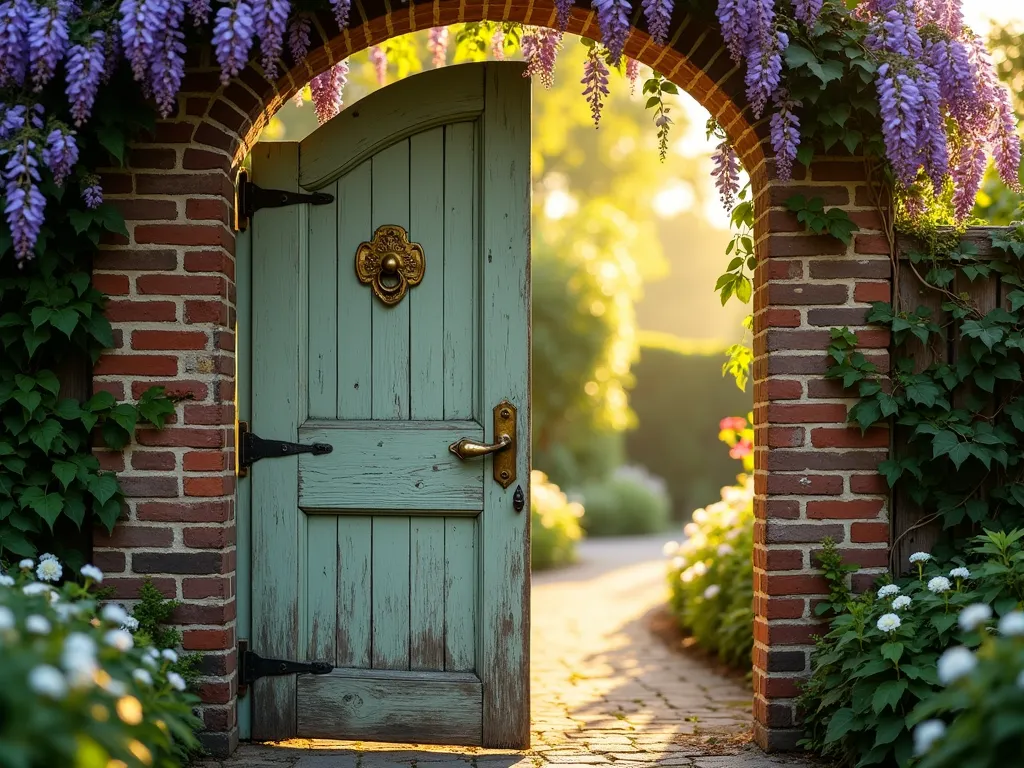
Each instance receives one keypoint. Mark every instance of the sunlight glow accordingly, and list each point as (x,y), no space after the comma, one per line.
(674,198)
(558,204)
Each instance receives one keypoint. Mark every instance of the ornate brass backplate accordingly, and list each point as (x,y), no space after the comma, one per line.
(390,264)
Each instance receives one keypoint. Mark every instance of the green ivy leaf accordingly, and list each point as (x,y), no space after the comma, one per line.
(888,694)
(888,730)
(65,472)
(102,487)
(840,724)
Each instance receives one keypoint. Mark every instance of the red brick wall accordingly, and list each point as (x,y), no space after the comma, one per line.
(172,305)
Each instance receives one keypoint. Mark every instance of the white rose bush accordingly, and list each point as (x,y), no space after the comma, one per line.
(710,573)
(77,688)
(927,670)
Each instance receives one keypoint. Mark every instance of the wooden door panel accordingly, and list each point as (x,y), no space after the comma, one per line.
(355,300)
(400,465)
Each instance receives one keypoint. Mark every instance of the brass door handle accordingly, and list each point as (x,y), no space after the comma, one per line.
(467,449)
(504,449)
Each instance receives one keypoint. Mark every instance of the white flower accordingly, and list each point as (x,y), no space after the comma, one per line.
(92,572)
(888,590)
(712,592)
(177,681)
(6,581)
(131,624)
(170,655)
(926,734)
(691,529)
(65,611)
(49,570)
(118,638)
(901,602)
(142,677)
(6,618)
(699,568)
(939,584)
(724,549)
(955,663)
(678,563)
(890,622)
(960,573)
(114,613)
(46,556)
(973,615)
(149,661)
(48,681)
(36,588)
(1012,624)
(115,688)
(670,548)
(920,557)
(37,625)
(79,659)
(26,564)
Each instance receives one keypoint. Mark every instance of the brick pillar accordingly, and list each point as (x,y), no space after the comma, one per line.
(814,476)
(171,288)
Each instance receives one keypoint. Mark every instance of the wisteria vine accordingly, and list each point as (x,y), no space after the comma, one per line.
(941,108)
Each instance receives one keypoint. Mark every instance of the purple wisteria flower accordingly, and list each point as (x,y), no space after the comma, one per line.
(595,82)
(167,69)
(540,50)
(199,10)
(13,120)
(298,37)
(92,192)
(613,21)
(379,59)
(437,44)
(785,136)
(14,17)
(726,172)
(47,40)
(968,170)
(1006,151)
(498,44)
(659,16)
(632,73)
(140,25)
(328,91)
(270,20)
(25,203)
(807,11)
(735,26)
(341,10)
(84,68)
(563,10)
(232,38)
(60,154)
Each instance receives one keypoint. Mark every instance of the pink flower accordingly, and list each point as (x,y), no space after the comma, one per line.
(742,449)
(735,423)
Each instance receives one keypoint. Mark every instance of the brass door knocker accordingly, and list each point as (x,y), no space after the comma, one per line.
(390,264)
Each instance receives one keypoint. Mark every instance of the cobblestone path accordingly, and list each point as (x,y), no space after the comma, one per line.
(606,691)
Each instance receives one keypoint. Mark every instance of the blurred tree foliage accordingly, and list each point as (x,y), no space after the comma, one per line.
(997,204)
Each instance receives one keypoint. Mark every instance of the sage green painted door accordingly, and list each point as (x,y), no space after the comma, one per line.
(403,566)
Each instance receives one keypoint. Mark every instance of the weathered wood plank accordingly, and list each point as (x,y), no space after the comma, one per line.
(410,106)
(461,579)
(321,564)
(390,640)
(504,659)
(355,611)
(323,309)
(426,300)
(399,707)
(399,465)
(355,318)
(391,324)
(461,271)
(278,337)
(427,593)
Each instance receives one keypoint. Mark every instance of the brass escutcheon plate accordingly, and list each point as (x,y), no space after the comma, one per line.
(505,461)
(390,264)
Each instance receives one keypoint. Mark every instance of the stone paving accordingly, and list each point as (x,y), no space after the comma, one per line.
(606,691)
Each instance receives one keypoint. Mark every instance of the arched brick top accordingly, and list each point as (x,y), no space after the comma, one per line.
(695,59)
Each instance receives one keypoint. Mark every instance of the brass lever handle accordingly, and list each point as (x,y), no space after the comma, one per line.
(467,449)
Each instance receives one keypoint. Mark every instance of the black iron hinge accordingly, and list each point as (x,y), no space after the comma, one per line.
(252,448)
(250,198)
(252,666)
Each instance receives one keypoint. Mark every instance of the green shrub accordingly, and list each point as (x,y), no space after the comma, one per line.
(76,687)
(880,657)
(556,524)
(711,576)
(631,501)
(983,702)
(679,390)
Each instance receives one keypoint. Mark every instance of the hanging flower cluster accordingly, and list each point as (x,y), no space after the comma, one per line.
(327,90)
(943,108)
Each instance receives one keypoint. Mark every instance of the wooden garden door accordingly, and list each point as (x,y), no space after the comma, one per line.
(391,324)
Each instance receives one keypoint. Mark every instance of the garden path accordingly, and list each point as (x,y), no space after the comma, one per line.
(606,691)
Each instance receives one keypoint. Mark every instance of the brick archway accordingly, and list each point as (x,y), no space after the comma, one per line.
(172,305)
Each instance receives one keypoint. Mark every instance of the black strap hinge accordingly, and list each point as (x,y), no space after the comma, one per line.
(250,198)
(252,666)
(252,448)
